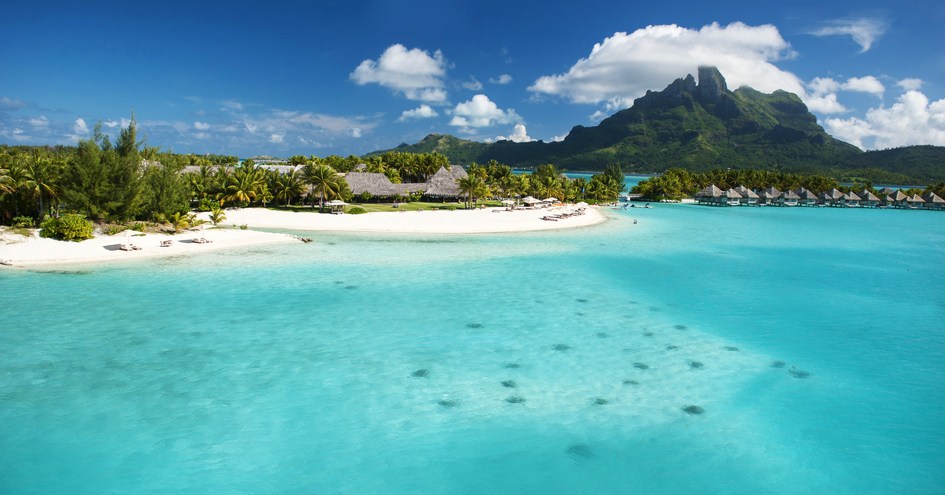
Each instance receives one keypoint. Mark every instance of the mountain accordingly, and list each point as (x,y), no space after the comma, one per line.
(696,125)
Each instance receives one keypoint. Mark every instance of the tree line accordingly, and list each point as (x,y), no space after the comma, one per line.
(678,183)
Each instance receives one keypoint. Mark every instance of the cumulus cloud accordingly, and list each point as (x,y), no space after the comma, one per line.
(472,84)
(519,135)
(201,126)
(910,84)
(422,112)
(111,124)
(276,138)
(624,66)
(80,127)
(911,120)
(414,73)
(480,111)
(823,96)
(864,31)
(502,79)
(868,84)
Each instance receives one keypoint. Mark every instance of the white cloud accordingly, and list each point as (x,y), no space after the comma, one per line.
(558,139)
(232,105)
(502,79)
(40,121)
(80,127)
(868,84)
(519,135)
(355,132)
(472,84)
(480,111)
(276,138)
(202,135)
(414,73)
(111,124)
(624,66)
(910,84)
(864,31)
(20,135)
(823,96)
(911,120)
(7,103)
(422,112)
(201,126)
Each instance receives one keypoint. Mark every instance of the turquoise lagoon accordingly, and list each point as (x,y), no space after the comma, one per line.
(813,340)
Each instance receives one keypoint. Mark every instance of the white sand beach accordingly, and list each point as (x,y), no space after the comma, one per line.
(482,221)
(20,251)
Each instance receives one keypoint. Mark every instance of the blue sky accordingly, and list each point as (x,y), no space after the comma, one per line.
(349,77)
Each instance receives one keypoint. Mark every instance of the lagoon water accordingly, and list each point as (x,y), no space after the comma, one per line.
(812,342)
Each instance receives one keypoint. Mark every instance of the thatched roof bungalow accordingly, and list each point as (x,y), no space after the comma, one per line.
(445,183)
(915,201)
(933,201)
(789,198)
(768,196)
(373,183)
(896,199)
(748,196)
(732,197)
(832,197)
(850,199)
(868,199)
(806,197)
(711,195)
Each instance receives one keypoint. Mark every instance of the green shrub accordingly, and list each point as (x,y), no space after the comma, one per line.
(23,222)
(68,227)
(244,226)
(356,210)
(112,229)
(139,226)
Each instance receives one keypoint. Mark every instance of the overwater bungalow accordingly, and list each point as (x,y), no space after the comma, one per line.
(711,195)
(897,199)
(886,191)
(933,201)
(769,196)
(850,199)
(807,197)
(831,198)
(915,202)
(868,199)
(748,196)
(789,198)
(732,198)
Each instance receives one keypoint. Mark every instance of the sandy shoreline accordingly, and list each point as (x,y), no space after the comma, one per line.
(19,251)
(483,221)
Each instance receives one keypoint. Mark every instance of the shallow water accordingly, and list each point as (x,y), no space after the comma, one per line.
(811,342)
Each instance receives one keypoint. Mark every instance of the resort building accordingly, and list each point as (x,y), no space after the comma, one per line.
(748,196)
(806,197)
(711,195)
(769,196)
(896,199)
(933,201)
(832,197)
(868,199)
(789,198)
(443,184)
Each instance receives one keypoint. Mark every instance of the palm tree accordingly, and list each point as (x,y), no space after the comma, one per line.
(41,180)
(246,184)
(217,216)
(324,181)
(473,186)
(288,186)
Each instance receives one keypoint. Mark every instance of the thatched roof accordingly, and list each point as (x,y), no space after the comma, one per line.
(710,192)
(886,191)
(745,192)
(866,195)
(772,192)
(373,183)
(789,194)
(850,196)
(931,197)
(804,193)
(832,195)
(732,194)
(915,198)
(446,182)
(898,196)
